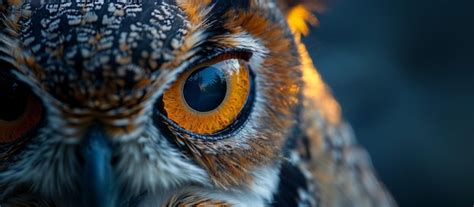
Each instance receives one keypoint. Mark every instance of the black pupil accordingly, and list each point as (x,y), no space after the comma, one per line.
(13,98)
(205,89)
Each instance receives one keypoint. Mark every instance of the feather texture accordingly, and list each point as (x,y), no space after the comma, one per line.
(105,65)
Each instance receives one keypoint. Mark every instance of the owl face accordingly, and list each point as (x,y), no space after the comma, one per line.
(116,102)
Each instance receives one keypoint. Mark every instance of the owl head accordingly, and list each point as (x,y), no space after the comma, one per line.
(108,103)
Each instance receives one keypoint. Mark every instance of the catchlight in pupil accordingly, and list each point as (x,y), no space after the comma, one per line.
(205,89)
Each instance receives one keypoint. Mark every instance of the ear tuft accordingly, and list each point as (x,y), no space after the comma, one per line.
(299,14)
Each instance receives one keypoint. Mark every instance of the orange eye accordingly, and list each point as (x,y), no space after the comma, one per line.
(209,98)
(20,111)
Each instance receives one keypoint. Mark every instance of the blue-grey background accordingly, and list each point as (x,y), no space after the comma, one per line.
(403,72)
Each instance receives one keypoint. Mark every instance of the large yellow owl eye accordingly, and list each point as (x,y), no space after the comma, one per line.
(208,98)
(20,111)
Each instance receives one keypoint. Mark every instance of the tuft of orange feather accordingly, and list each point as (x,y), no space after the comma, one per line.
(299,19)
(300,16)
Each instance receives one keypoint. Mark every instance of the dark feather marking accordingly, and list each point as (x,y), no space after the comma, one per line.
(291,180)
(292,140)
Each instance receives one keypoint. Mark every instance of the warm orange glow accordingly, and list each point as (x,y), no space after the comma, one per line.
(315,90)
(238,88)
(298,19)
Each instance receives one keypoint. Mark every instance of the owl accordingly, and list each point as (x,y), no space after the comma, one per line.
(171,103)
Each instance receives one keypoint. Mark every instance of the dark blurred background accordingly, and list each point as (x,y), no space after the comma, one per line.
(403,72)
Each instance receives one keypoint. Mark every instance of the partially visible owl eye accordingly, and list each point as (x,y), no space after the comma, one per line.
(210,97)
(20,110)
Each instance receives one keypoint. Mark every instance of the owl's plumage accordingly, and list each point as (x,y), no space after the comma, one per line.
(99,70)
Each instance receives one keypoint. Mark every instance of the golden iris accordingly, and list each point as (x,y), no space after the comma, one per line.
(208,98)
(20,111)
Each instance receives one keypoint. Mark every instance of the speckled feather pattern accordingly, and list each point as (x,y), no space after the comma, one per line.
(109,62)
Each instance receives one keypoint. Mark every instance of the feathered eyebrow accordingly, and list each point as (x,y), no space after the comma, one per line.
(206,19)
(215,17)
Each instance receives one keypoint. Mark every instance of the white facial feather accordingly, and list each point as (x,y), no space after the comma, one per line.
(150,163)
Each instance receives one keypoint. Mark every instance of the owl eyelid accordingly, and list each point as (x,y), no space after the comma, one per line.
(217,57)
(226,54)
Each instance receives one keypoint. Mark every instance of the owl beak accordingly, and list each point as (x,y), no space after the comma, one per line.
(98,178)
